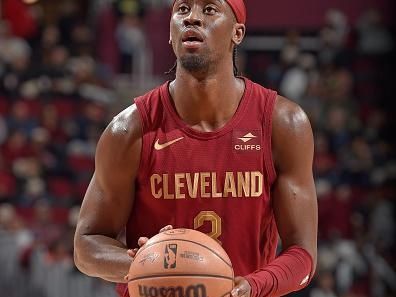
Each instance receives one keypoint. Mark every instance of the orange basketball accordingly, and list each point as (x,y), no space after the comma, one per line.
(181,263)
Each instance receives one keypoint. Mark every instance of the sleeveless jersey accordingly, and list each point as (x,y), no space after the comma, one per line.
(216,182)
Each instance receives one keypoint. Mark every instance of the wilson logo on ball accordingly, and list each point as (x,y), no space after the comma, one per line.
(170,256)
(198,290)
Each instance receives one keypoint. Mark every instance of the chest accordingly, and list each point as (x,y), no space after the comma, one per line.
(182,167)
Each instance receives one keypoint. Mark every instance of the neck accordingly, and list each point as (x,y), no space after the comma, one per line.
(206,103)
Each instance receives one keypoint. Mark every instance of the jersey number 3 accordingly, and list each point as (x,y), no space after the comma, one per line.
(214,219)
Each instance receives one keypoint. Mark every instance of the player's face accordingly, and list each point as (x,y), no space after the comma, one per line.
(201,32)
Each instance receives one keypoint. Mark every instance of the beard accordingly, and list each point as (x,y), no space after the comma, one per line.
(195,63)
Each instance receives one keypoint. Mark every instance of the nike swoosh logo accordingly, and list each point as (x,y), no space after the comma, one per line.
(160,146)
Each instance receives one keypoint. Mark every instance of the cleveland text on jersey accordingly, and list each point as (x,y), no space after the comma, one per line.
(207,185)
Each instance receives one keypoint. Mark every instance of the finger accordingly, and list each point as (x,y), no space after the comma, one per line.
(126,277)
(241,289)
(142,241)
(166,228)
(238,291)
(132,252)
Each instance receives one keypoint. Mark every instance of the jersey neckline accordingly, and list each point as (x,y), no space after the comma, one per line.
(166,100)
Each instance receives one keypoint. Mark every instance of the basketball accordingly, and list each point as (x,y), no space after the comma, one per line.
(181,263)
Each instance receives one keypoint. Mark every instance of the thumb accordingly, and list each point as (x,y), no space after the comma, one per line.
(240,288)
(237,291)
(142,241)
(166,228)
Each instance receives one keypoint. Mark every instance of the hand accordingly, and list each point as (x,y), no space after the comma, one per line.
(142,241)
(242,288)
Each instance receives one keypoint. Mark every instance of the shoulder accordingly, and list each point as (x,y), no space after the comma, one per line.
(126,124)
(123,132)
(291,131)
(289,117)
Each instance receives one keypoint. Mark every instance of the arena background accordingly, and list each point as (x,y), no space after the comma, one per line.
(67,67)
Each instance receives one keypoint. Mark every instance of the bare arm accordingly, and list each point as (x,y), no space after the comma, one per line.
(294,194)
(109,199)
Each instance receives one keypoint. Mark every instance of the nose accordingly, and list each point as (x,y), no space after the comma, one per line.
(194,18)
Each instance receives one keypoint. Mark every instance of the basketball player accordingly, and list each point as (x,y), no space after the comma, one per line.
(210,151)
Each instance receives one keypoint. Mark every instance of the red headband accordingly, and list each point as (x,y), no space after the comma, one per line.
(239,9)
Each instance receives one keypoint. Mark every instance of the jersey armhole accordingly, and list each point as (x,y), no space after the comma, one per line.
(142,111)
(268,159)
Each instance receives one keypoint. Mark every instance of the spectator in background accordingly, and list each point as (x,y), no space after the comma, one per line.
(131,41)
(297,78)
(15,240)
(106,26)
(325,286)
(382,220)
(15,52)
(20,17)
(21,118)
(374,37)
(81,44)
(50,38)
(68,17)
(333,37)
(133,48)
(4,36)
(3,130)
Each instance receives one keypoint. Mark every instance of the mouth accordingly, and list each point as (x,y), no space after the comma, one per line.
(192,38)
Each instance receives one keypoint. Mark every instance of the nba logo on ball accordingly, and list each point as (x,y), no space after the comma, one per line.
(182,263)
(170,256)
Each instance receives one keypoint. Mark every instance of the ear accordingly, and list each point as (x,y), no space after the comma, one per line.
(238,33)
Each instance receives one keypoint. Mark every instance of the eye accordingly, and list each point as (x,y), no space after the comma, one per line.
(210,10)
(183,8)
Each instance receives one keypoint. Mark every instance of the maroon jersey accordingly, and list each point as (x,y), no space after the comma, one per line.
(216,182)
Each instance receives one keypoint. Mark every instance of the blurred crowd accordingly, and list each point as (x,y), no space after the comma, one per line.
(346,87)
(58,82)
